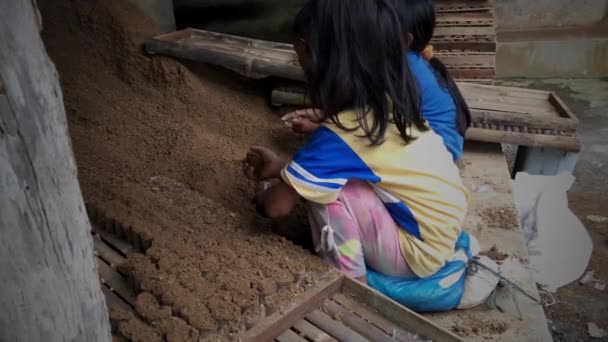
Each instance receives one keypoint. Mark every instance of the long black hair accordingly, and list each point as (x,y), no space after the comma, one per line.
(358,61)
(418,19)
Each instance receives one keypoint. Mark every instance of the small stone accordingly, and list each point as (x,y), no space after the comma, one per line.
(597,218)
(587,278)
(595,331)
(600,285)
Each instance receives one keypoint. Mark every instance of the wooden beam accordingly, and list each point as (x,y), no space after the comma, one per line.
(356,323)
(49,288)
(333,327)
(113,280)
(276,324)
(565,143)
(312,332)
(389,308)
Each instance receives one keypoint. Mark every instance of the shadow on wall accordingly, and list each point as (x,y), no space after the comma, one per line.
(261,19)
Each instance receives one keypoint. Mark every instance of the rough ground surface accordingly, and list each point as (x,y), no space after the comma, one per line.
(577,304)
(159,149)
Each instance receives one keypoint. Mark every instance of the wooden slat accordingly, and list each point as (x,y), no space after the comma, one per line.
(488,117)
(487,31)
(499,106)
(115,281)
(389,308)
(373,317)
(462,6)
(334,328)
(311,332)
(537,139)
(355,322)
(503,91)
(113,300)
(561,107)
(124,247)
(290,336)
(275,324)
(107,253)
(464,18)
(474,59)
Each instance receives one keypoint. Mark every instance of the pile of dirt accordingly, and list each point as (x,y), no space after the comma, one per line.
(500,218)
(212,269)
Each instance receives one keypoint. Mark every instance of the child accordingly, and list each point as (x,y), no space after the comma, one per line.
(441,102)
(382,190)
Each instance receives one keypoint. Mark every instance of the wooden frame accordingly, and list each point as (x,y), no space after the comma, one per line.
(257,58)
(365,314)
(249,57)
(507,115)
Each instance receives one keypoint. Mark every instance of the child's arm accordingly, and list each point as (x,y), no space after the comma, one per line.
(303,121)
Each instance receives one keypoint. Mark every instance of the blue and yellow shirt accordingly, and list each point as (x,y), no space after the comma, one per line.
(418,182)
(437,104)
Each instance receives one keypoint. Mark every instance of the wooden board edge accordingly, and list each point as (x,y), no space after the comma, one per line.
(406,318)
(565,143)
(173,36)
(562,108)
(275,324)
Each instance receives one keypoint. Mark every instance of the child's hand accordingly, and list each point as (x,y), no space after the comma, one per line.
(302,121)
(262,163)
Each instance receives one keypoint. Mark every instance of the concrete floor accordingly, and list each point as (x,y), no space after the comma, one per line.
(576,304)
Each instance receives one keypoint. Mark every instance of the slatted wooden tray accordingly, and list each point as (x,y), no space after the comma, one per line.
(520,116)
(258,58)
(507,115)
(342,309)
(465,25)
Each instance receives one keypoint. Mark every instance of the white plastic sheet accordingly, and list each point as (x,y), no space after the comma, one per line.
(558,244)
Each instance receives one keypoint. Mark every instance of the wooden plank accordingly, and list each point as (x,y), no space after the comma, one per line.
(275,324)
(464,44)
(372,316)
(311,332)
(473,31)
(407,319)
(561,107)
(566,143)
(108,254)
(473,59)
(112,279)
(290,336)
(113,300)
(503,91)
(498,106)
(521,120)
(355,322)
(124,247)
(334,328)
(464,18)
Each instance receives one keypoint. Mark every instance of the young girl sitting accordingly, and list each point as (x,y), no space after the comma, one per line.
(381,187)
(441,102)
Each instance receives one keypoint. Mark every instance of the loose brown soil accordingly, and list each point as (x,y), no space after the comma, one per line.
(502,218)
(159,149)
